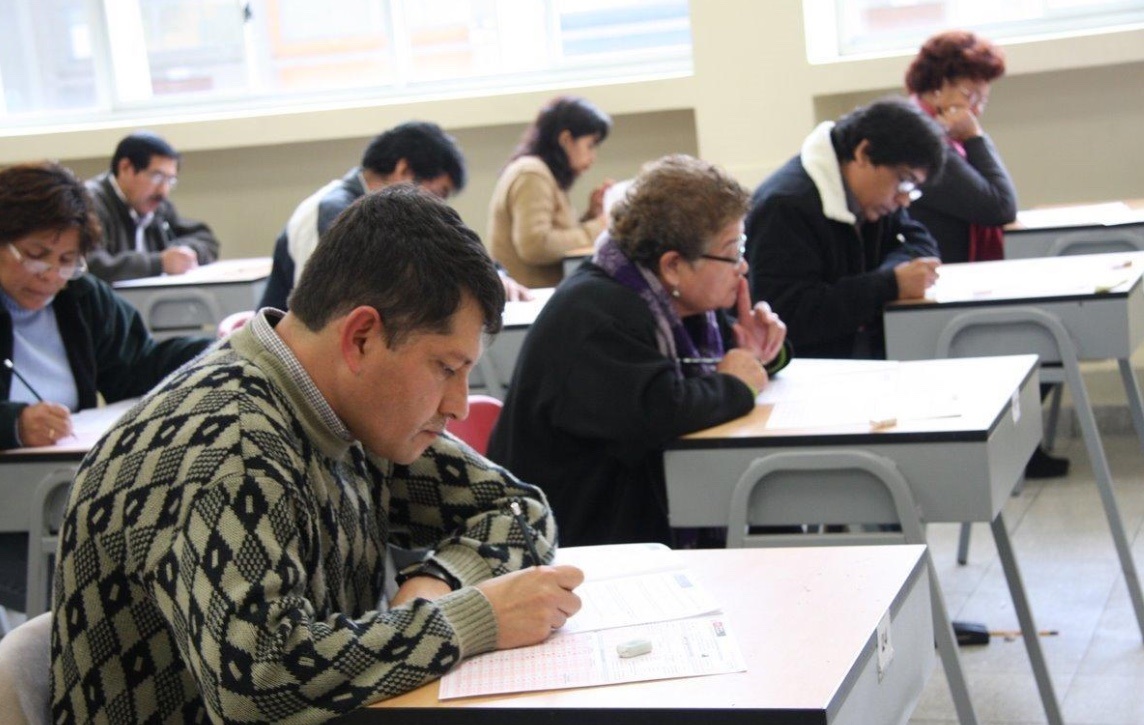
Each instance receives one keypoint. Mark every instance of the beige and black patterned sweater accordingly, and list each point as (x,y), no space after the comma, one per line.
(223,556)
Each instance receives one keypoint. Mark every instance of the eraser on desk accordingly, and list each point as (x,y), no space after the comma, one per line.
(883,423)
(634,647)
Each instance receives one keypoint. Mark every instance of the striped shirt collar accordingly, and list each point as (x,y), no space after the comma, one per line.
(262,325)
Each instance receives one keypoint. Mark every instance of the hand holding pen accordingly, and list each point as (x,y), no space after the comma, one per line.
(528,604)
(915,277)
(41,423)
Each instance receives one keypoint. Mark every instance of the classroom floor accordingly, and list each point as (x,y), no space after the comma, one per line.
(1067,560)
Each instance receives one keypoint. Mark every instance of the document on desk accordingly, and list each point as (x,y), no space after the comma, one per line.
(91,423)
(630,591)
(680,648)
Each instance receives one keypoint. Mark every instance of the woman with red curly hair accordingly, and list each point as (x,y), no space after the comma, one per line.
(967,206)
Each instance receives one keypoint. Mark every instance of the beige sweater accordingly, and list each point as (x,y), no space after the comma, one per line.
(532,224)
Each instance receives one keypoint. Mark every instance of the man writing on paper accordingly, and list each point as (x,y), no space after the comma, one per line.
(829,240)
(143,234)
(223,554)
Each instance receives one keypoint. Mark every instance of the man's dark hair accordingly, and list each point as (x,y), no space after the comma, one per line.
(45,196)
(900,134)
(425,146)
(408,255)
(578,116)
(139,147)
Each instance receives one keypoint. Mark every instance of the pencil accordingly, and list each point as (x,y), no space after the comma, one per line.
(1015,633)
(526,530)
(8,364)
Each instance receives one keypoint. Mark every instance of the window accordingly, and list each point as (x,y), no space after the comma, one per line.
(837,29)
(93,60)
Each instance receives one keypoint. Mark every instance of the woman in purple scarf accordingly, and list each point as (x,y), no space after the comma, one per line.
(635,349)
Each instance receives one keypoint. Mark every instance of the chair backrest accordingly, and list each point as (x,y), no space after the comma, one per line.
(1097,241)
(25,673)
(233,321)
(48,505)
(476,429)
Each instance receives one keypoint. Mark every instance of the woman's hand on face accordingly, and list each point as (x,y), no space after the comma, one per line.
(960,122)
(43,424)
(759,330)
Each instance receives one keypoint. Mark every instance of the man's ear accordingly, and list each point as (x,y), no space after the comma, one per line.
(123,167)
(402,171)
(862,153)
(362,334)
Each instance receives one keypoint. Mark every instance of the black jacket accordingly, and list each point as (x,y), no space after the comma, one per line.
(108,347)
(592,404)
(826,278)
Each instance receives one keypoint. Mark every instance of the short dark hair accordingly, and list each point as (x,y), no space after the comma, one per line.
(425,146)
(951,55)
(139,147)
(408,255)
(578,116)
(45,196)
(899,133)
(676,203)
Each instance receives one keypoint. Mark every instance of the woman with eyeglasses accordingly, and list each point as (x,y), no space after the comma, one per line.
(532,223)
(967,207)
(64,335)
(635,349)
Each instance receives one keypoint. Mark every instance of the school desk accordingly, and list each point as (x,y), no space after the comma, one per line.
(1077,229)
(807,623)
(1066,310)
(195,302)
(960,461)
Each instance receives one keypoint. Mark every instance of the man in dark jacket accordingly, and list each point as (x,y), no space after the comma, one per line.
(828,237)
(143,234)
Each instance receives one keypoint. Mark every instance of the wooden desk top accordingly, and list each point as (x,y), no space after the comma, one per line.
(802,620)
(978,387)
(579,252)
(226,271)
(1039,278)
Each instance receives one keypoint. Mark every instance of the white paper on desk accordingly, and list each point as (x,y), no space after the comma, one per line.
(641,599)
(680,648)
(1115,212)
(91,423)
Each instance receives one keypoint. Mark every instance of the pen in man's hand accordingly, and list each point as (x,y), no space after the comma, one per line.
(8,364)
(526,530)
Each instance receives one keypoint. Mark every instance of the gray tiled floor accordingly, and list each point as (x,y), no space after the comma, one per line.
(1075,586)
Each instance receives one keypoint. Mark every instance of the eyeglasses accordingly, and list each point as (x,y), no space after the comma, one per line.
(38,267)
(158,178)
(976,100)
(909,187)
(731,260)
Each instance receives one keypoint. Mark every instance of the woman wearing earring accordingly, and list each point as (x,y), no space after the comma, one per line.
(635,350)
(532,223)
(966,208)
(67,335)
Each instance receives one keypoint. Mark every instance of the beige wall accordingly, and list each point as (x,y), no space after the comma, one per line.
(1067,119)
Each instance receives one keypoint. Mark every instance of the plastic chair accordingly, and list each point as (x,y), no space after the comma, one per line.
(476,429)
(25,673)
(47,514)
(233,321)
(1097,241)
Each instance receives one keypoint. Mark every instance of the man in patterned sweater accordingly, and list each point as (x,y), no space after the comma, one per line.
(223,552)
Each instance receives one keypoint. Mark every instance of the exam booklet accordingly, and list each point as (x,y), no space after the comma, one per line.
(630,591)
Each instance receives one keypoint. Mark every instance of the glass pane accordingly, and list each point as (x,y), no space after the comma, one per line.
(194,46)
(303,45)
(451,39)
(46,57)
(603,31)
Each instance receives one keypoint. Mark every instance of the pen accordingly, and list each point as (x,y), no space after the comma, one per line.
(526,530)
(700,360)
(8,364)
(1015,633)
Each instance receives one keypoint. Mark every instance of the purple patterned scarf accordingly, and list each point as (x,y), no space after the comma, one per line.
(673,339)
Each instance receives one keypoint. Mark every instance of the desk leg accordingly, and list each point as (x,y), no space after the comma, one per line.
(1135,404)
(947,649)
(1025,618)
(1103,475)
